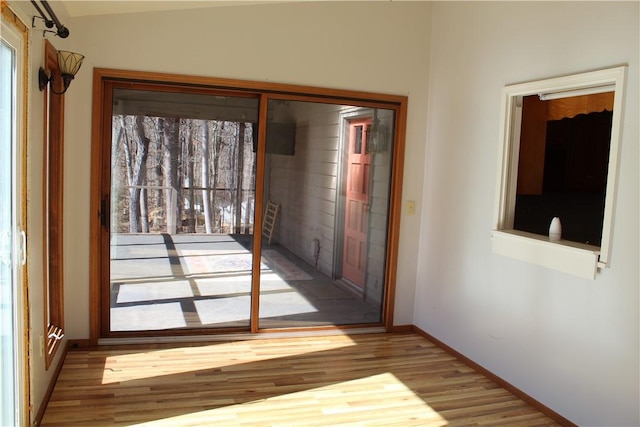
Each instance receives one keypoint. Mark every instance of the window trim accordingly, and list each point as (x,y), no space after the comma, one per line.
(569,257)
(53,209)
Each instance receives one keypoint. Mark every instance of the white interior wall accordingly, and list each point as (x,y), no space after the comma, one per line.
(288,43)
(571,343)
(568,342)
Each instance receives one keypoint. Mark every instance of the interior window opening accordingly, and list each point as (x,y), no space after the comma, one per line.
(557,171)
(563,165)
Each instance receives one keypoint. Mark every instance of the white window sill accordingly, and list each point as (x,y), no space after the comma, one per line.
(569,257)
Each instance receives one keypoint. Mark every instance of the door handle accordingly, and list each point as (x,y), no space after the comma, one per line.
(104,213)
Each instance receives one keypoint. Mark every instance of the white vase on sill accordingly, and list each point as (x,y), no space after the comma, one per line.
(555,229)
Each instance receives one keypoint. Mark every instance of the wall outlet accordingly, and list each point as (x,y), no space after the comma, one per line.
(411,207)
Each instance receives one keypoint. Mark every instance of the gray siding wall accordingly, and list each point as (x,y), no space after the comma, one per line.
(305,184)
(308,189)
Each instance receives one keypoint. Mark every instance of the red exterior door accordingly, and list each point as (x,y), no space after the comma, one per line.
(357,203)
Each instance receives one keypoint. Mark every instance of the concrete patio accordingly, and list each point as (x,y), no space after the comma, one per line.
(195,281)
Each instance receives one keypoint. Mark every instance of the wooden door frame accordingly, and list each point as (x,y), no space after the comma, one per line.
(101,125)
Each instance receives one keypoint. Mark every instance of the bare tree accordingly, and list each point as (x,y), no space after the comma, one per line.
(135,145)
(251,181)
(240,176)
(117,138)
(156,173)
(153,158)
(218,156)
(169,133)
(187,172)
(205,177)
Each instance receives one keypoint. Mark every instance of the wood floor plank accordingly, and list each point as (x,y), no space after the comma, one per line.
(358,380)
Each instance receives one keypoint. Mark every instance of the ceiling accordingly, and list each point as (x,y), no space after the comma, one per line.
(185,105)
(76,8)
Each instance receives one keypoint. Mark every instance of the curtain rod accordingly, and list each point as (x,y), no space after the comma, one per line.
(50,20)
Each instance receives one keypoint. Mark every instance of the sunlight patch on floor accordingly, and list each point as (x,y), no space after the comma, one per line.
(126,365)
(369,401)
(154,291)
(148,316)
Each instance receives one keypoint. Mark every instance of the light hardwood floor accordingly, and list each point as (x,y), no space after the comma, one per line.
(357,380)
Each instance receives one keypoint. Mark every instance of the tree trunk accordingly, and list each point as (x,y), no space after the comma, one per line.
(169,128)
(217,157)
(138,167)
(248,219)
(205,177)
(233,162)
(181,126)
(116,170)
(188,163)
(144,212)
(239,178)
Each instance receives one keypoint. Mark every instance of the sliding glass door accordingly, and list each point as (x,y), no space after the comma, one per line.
(327,178)
(222,208)
(12,241)
(182,195)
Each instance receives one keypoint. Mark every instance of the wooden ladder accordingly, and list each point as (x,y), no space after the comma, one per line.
(269,220)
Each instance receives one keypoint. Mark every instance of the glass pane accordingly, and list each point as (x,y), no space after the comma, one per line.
(7,297)
(182,202)
(324,248)
(358,140)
